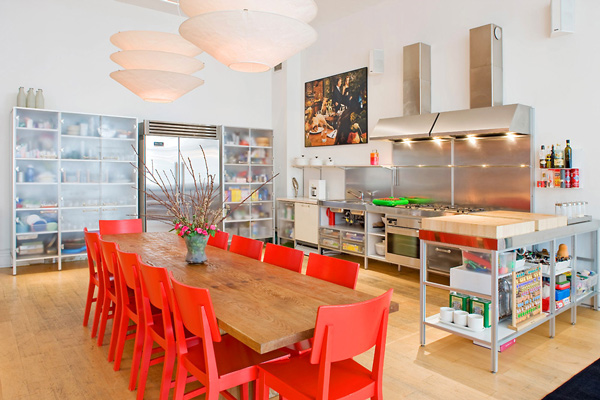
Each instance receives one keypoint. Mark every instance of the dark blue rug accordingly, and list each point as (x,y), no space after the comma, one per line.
(583,386)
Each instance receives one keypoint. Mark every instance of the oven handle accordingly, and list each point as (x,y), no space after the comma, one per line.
(402,231)
(447,251)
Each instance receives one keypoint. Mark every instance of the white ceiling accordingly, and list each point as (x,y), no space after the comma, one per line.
(329,10)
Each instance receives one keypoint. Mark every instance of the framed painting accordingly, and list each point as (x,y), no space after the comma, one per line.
(335,109)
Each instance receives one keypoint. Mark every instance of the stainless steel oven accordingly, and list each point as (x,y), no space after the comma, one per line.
(402,240)
(403,246)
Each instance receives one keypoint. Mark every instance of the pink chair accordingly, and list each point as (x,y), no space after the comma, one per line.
(219,240)
(247,247)
(335,270)
(116,226)
(284,257)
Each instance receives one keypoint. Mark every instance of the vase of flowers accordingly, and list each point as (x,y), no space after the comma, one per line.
(195,241)
(193,210)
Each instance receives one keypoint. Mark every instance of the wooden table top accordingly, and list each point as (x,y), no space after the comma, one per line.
(264,306)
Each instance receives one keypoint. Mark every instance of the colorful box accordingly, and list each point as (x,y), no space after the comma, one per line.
(459,301)
(481,307)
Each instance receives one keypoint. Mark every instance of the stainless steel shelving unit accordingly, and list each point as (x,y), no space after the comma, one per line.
(499,333)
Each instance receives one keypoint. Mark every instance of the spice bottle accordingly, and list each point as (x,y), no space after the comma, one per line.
(374,157)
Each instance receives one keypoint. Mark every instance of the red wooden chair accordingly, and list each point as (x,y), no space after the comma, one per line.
(112,227)
(218,362)
(92,243)
(156,292)
(340,272)
(329,372)
(335,270)
(219,240)
(111,304)
(247,247)
(284,257)
(129,281)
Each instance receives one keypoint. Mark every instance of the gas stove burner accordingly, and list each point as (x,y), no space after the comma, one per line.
(443,209)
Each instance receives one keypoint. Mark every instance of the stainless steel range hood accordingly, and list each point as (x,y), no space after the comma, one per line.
(486,93)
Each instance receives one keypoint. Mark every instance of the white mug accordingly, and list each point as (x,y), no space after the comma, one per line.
(475,322)
(460,317)
(446,314)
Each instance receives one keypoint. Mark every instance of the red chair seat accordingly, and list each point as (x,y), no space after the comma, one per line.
(232,356)
(247,247)
(349,377)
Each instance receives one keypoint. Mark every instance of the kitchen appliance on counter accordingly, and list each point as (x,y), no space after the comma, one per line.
(402,236)
(161,144)
(317,189)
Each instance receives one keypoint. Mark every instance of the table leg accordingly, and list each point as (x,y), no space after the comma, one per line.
(423,291)
(573,274)
(552,303)
(495,313)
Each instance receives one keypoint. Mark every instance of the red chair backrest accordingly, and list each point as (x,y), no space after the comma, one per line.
(129,267)
(92,244)
(341,272)
(247,247)
(345,331)
(109,256)
(285,257)
(219,240)
(189,301)
(156,286)
(112,227)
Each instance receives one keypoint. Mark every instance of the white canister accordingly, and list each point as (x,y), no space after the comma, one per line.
(329,161)
(475,322)
(301,161)
(460,317)
(446,314)
(316,161)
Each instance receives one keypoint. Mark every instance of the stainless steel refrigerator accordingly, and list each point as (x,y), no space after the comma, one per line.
(161,143)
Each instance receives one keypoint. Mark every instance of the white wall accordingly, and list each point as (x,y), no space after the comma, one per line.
(558,76)
(63,47)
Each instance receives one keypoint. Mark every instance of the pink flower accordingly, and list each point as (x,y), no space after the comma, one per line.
(177,225)
(184,229)
(212,227)
(204,232)
(199,230)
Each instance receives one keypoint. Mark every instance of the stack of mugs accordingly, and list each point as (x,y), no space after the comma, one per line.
(461,318)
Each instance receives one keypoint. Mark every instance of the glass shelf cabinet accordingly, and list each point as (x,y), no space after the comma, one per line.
(69,171)
(247,163)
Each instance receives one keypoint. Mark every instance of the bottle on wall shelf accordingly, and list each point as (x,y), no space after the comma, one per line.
(552,158)
(568,155)
(30,103)
(543,157)
(559,161)
(39,99)
(374,157)
(21,98)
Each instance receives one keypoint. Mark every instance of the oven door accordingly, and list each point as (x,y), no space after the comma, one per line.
(402,246)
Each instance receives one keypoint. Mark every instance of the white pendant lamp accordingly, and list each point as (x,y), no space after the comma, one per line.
(156,86)
(248,41)
(158,65)
(303,10)
(157,41)
(157,60)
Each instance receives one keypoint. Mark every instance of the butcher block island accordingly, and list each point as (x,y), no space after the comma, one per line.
(493,224)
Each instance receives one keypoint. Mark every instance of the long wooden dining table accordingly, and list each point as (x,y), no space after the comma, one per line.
(264,306)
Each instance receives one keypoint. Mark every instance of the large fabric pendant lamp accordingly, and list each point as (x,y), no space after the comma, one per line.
(249,35)
(158,65)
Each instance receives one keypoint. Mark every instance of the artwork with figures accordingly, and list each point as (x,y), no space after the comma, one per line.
(335,109)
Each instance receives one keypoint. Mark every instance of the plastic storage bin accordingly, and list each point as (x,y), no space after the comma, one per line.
(481,262)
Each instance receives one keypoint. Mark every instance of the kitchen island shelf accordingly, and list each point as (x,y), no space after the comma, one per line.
(498,333)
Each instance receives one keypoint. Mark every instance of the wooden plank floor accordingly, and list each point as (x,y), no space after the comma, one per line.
(46,353)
